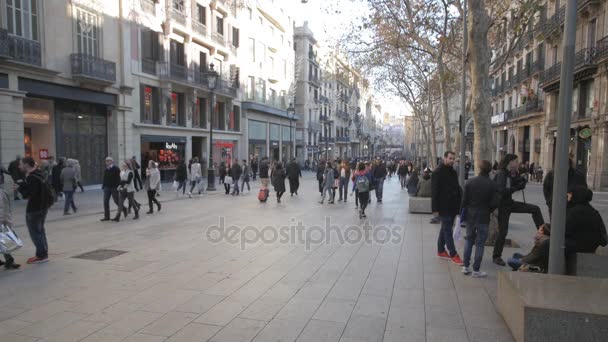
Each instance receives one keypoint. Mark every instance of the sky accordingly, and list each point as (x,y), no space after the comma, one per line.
(329,19)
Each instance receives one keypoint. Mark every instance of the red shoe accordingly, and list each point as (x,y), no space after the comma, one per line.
(37,260)
(444,255)
(456,259)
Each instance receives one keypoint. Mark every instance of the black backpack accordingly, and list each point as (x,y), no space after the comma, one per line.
(47,194)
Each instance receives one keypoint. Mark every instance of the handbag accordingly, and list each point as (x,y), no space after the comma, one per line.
(228,179)
(9,240)
(175,185)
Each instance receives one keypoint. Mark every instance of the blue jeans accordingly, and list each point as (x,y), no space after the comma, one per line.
(235,190)
(69,201)
(107,194)
(379,188)
(35,226)
(515,262)
(343,188)
(477,233)
(445,238)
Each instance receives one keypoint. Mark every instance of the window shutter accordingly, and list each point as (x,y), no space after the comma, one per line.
(142,106)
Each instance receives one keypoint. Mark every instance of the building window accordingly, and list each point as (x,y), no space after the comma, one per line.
(200,117)
(150,50)
(22,18)
(202,62)
(235,37)
(178,5)
(220,25)
(250,88)
(252,49)
(177,53)
(260,91)
(201,14)
(177,116)
(87,32)
(149,104)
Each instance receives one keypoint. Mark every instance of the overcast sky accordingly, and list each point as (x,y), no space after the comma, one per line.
(329,19)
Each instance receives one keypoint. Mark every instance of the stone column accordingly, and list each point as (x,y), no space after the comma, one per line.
(11,128)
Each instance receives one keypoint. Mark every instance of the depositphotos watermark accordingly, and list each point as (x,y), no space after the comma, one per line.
(298,233)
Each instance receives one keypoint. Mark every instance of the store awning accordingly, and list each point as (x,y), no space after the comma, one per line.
(163,138)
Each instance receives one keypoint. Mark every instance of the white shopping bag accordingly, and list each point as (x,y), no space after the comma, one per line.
(9,240)
(175,185)
(457,229)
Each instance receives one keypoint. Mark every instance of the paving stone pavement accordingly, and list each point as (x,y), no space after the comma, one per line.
(174,284)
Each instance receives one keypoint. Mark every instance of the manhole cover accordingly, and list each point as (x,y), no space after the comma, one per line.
(100,254)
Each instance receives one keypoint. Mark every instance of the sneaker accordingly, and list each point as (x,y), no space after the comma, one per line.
(37,260)
(466,270)
(498,261)
(478,274)
(444,255)
(456,259)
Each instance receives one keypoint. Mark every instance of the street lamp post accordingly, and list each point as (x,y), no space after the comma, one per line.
(212,78)
(291,112)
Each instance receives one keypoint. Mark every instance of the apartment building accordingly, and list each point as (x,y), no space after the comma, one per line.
(174,44)
(268,73)
(63,91)
(589,122)
(526,91)
(310,100)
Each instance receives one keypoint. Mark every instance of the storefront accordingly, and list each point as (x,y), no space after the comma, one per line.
(257,135)
(275,142)
(224,151)
(167,151)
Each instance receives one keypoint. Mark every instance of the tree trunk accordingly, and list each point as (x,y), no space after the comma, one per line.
(479,61)
(433,139)
(445,115)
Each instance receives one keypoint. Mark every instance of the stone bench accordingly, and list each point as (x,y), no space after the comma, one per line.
(589,265)
(420,205)
(555,308)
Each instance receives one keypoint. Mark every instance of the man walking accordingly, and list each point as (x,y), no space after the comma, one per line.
(254,167)
(245,176)
(111,181)
(379,175)
(509,181)
(37,192)
(235,172)
(294,173)
(478,201)
(136,173)
(445,202)
(264,179)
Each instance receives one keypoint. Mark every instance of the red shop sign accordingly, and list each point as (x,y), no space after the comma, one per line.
(224,144)
(43,153)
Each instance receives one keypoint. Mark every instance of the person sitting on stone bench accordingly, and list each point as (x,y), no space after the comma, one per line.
(424,184)
(538,258)
(585,229)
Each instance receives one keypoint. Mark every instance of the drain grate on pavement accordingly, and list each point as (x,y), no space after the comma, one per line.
(100,254)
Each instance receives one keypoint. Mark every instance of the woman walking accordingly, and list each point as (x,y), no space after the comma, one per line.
(412,183)
(278,180)
(223,169)
(362,185)
(78,174)
(181,176)
(227,179)
(126,190)
(328,183)
(69,183)
(196,176)
(152,185)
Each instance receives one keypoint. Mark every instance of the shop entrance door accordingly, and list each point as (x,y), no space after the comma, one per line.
(81,135)
(197,148)
(275,154)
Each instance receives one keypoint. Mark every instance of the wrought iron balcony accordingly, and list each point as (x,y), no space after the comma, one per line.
(531,106)
(582,4)
(19,49)
(93,69)
(323,99)
(342,114)
(601,49)
(323,117)
(584,57)
(551,74)
(148,66)
(556,20)
(537,66)
(199,28)
(195,77)
(342,139)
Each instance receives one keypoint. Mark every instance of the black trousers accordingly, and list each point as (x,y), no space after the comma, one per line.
(152,199)
(363,200)
(294,184)
(137,181)
(504,214)
(130,196)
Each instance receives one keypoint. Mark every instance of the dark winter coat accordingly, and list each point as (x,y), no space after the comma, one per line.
(479,199)
(507,185)
(574,178)
(181,173)
(111,177)
(539,255)
(264,168)
(278,179)
(32,189)
(584,224)
(293,171)
(236,171)
(446,191)
(412,184)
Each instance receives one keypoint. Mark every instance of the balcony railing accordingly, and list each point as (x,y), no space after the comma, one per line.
(551,74)
(148,66)
(178,15)
(196,78)
(314,126)
(581,4)
(537,65)
(218,38)
(199,28)
(20,49)
(93,68)
(531,106)
(323,117)
(323,99)
(556,20)
(584,57)
(342,114)
(601,49)
(342,139)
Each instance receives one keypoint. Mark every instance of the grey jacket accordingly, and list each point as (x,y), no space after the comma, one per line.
(6,214)
(329,177)
(68,178)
